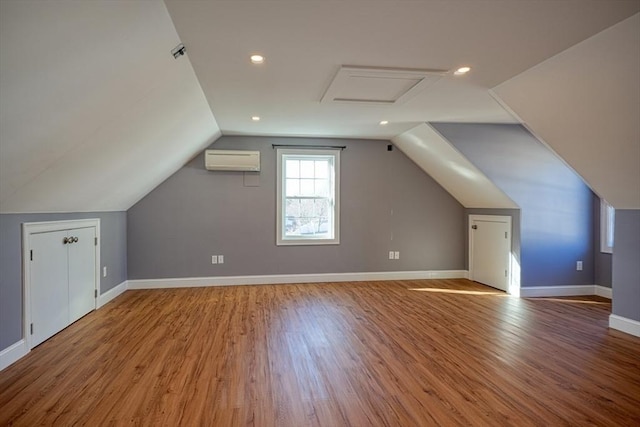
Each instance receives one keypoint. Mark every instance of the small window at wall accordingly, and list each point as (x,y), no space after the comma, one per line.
(607,221)
(308,197)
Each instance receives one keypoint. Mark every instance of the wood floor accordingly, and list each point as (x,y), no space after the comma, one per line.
(397,353)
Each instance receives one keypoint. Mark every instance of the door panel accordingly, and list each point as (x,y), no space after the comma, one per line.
(490,253)
(82,273)
(49,285)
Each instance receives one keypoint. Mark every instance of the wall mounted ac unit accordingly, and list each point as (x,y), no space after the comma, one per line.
(232,160)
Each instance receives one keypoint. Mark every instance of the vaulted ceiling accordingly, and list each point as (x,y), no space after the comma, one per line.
(95,111)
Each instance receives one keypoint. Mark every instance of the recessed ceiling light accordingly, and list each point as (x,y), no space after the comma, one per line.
(384,122)
(257,59)
(255,118)
(462,70)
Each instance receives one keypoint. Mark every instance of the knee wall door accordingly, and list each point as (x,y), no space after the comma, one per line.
(62,278)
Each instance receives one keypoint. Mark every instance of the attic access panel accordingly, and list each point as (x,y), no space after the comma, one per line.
(375,85)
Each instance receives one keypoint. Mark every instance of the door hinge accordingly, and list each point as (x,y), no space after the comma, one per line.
(95,241)
(31,254)
(505,273)
(95,293)
(31,329)
(505,234)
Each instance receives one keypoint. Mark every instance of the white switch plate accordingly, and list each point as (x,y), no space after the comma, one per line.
(220,259)
(396,255)
(579,265)
(214,259)
(390,254)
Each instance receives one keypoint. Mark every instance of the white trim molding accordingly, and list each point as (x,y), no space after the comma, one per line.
(190,282)
(623,324)
(12,353)
(564,291)
(112,294)
(604,292)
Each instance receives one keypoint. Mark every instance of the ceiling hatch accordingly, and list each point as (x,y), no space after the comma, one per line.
(375,85)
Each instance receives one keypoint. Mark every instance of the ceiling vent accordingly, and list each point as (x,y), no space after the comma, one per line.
(375,85)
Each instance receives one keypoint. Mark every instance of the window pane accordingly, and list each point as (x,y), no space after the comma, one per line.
(611,220)
(306,168)
(293,187)
(322,168)
(292,168)
(306,187)
(322,188)
(292,208)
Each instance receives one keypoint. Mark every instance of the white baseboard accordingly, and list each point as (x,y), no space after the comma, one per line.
(604,292)
(557,291)
(294,278)
(12,353)
(111,294)
(623,324)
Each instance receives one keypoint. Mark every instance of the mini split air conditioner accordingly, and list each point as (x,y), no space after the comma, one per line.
(232,160)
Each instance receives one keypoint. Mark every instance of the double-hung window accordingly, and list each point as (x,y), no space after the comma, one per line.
(607,221)
(308,193)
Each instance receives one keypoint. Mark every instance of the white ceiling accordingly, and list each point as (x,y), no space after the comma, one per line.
(95,112)
(306,42)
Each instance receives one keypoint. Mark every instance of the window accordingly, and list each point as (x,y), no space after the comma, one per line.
(607,221)
(308,191)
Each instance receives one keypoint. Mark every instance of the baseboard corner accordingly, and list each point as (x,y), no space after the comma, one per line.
(13,353)
(112,294)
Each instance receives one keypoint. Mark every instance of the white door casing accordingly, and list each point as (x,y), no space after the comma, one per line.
(490,250)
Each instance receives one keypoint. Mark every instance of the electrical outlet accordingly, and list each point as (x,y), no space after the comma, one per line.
(104,271)
(214,259)
(579,265)
(220,259)
(390,254)
(396,255)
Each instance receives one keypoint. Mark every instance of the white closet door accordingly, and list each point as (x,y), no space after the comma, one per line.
(490,250)
(82,272)
(49,285)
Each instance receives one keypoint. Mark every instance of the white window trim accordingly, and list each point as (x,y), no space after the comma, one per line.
(607,222)
(279,192)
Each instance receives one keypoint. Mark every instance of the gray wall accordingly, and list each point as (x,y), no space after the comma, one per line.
(515,228)
(387,203)
(113,255)
(602,261)
(626,264)
(556,206)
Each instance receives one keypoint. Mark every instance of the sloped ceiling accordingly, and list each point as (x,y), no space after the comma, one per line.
(585,104)
(94,110)
(453,171)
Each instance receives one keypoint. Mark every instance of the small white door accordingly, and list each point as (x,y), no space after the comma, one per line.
(490,250)
(82,272)
(49,285)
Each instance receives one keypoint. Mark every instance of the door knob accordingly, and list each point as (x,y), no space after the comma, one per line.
(75,239)
(65,241)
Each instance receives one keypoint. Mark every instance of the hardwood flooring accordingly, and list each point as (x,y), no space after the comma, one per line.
(396,353)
